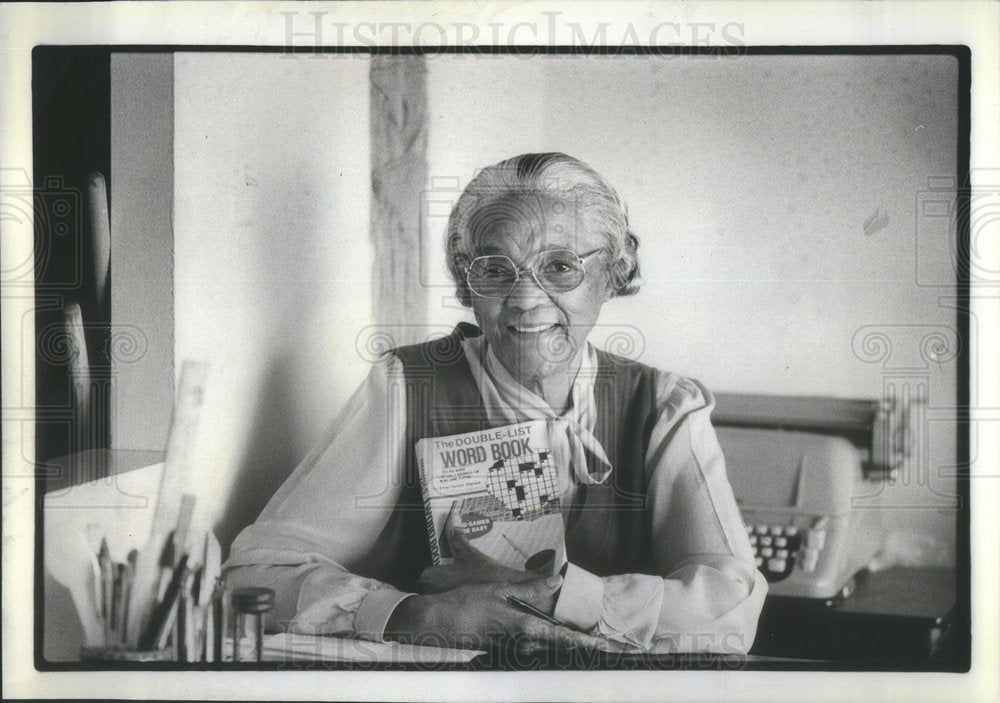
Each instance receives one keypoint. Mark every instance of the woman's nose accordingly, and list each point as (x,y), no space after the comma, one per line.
(526,292)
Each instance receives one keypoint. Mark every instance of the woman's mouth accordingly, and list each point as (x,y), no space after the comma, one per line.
(523,328)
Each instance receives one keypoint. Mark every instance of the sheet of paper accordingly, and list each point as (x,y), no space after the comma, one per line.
(118,508)
(294,647)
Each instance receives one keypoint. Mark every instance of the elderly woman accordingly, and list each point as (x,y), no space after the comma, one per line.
(658,558)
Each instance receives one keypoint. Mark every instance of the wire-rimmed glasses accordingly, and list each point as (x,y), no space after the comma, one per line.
(554,270)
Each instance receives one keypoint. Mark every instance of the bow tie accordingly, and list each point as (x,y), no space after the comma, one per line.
(569,434)
(571,442)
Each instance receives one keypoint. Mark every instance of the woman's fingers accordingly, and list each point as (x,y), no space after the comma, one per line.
(444,577)
(538,592)
(543,635)
(457,538)
(436,579)
(474,615)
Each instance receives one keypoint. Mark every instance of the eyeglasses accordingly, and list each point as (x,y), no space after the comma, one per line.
(554,270)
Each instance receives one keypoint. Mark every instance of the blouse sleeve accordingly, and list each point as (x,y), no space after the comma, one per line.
(708,593)
(321,525)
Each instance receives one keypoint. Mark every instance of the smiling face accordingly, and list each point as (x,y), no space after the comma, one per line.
(535,334)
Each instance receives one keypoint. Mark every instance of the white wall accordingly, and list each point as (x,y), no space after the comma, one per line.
(749,181)
(482,109)
(272,258)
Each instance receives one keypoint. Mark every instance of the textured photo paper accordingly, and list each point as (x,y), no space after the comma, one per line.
(815,247)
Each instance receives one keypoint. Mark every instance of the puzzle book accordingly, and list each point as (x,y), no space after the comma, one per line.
(500,489)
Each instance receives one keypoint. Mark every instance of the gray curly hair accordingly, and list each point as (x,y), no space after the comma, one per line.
(552,175)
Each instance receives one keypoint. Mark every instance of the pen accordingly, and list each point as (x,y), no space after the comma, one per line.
(98,585)
(107,584)
(181,623)
(196,620)
(171,630)
(162,619)
(166,568)
(532,610)
(214,628)
(117,604)
(186,615)
(129,576)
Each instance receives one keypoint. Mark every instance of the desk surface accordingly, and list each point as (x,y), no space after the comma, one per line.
(888,625)
(904,592)
(895,618)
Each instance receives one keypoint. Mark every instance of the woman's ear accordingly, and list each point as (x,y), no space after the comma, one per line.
(461,261)
(609,287)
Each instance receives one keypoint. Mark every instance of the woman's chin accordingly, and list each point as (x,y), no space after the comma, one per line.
(532,356)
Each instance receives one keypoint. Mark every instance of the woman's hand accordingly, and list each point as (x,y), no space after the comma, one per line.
(472,570)
(477,615)
(470,566)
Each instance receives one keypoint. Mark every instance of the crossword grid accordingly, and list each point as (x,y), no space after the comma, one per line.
(524,486)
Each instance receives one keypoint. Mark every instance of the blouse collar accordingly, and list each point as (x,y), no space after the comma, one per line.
(508,401)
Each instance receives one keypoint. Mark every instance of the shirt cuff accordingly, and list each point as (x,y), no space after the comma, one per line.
(579,602)
(374,611)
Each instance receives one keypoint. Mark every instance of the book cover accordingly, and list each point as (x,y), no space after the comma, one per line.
(500,489)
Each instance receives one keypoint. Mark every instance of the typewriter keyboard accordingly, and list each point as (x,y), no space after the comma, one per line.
(776,548)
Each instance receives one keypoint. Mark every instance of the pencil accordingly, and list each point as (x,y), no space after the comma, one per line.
(166,568)
(532,610)
(517,549)
(117,602)
(162,618)
(133,557)
(107,586)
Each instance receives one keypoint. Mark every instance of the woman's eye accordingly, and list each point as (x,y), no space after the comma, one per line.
(496,271)
(558,267)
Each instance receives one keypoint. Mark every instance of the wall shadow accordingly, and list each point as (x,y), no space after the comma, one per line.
(270,455)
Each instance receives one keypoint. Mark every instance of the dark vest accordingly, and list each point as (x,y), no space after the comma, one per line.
(607,529)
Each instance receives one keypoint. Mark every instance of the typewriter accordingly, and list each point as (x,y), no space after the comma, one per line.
(796,466)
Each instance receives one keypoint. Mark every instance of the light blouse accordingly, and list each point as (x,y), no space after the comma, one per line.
(311,541)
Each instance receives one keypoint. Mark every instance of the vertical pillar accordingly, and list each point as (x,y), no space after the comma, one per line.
(142,249)
(399,171)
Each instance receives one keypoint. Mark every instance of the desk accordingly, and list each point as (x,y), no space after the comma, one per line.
(901,617)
